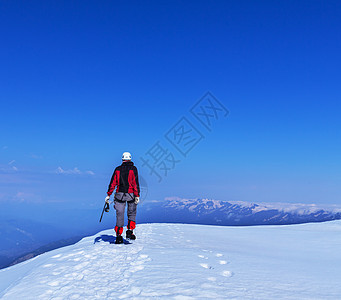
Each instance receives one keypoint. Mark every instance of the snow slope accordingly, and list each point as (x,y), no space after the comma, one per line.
(177,261)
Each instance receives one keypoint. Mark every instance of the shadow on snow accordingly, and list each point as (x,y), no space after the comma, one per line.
(109,239)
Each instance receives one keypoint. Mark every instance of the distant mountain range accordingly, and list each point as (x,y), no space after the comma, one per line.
(219,212)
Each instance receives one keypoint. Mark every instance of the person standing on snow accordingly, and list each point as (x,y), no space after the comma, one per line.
(125,178)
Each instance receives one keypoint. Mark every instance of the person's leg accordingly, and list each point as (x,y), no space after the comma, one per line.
(119,207)
(131,212)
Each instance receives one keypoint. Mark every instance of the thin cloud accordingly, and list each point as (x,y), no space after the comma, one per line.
(8,168)
(74,171)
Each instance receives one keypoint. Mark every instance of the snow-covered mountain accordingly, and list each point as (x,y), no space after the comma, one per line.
(218,212)
(182,261)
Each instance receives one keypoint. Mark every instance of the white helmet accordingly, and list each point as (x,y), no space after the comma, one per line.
(126,156)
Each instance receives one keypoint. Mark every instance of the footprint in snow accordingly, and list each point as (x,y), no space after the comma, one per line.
(49,292)
(137,268)
(53,283)
(206,266)
(138,265)
(81,266)
(211,279)
(56,273)
(227,273)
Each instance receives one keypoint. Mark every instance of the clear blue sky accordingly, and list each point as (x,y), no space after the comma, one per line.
(83,81)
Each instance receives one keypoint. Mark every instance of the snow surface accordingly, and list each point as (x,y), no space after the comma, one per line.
(178,261)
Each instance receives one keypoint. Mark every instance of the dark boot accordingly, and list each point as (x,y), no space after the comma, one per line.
(130,235)
(119,239)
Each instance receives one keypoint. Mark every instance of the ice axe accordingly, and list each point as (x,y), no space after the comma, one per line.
(106,209)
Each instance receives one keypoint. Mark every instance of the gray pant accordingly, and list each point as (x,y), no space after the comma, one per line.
(120,207)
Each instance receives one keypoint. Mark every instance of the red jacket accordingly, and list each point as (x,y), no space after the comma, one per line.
(126,179)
